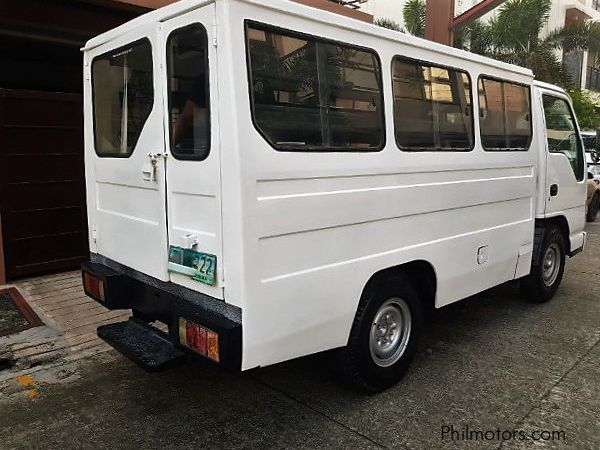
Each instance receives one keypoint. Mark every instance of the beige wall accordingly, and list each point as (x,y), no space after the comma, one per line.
(336,8)
(327,5)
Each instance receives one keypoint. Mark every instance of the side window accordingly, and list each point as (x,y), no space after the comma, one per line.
(188,93)
(432,107)
(123,96)
(312,95)
(562,133)
(504,115)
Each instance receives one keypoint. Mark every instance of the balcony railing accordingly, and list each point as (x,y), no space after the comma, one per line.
(354,4)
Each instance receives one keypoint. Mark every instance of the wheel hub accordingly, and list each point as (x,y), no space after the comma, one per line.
(551,264)
(390,332)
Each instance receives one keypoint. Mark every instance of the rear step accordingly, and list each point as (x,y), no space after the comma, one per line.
(145,345)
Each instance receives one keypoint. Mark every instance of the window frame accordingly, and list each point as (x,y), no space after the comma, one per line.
(248,23)
(580,146)
(207,93)
(102,55)
(483,76)
(437,66)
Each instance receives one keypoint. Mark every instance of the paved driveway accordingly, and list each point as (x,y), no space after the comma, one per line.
(490,364)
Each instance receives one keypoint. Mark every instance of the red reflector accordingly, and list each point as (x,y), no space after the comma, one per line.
(93,286)
(198,338)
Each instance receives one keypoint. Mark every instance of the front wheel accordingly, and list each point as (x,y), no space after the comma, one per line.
(384,337)
(546,273)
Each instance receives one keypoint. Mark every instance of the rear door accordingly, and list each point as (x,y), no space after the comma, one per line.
(565,179)
(193,166)
(128,161)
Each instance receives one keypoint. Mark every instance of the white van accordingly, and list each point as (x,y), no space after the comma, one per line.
(271,180)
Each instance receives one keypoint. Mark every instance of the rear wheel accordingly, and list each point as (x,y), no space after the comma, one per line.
(547,272)
(384,336)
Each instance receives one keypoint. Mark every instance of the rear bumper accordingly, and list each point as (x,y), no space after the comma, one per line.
(154,300)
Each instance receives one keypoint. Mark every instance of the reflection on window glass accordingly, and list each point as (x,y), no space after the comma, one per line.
(432,107)
(123,95)
(505,115)
(312,95)
(187,63)
(562,133)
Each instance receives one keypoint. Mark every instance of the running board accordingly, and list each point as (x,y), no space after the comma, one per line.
(145,345)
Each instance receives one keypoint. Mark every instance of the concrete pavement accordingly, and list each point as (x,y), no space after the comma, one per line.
(492,363)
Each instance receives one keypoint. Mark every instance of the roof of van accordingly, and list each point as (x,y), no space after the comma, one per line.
(298,9)
(550,87)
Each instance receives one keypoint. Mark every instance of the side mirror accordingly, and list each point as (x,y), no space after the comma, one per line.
(573,139)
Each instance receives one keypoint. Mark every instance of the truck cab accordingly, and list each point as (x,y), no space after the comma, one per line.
(563,174)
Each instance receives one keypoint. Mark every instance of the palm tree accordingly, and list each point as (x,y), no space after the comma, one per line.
(414,14)
(388,23)
(515,36)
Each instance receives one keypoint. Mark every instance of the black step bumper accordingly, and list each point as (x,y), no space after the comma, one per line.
(154,300)
(148,347)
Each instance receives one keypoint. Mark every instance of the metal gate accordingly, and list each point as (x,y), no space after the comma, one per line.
(42,182)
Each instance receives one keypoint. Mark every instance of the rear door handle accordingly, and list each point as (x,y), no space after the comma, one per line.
(554,190)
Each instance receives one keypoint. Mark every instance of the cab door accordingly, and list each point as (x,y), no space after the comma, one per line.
(192,139)
(125,156)
(565,172)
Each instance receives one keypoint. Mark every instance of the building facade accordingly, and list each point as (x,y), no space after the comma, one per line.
(584,67)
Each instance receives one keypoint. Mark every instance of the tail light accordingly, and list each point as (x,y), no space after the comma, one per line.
(200,339)
(94,287)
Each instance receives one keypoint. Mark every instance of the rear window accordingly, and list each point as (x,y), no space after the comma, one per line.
(187,68)
(309,94)
(123,96)
(504,115)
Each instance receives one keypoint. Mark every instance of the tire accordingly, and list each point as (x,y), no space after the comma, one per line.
(593,208)
(546,274)
(368,366)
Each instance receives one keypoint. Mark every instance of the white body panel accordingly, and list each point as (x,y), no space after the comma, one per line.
(302,233)
(126,213)
(194,187)
(556,170)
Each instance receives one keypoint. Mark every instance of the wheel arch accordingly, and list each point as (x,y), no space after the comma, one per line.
(542,224)
(420,272)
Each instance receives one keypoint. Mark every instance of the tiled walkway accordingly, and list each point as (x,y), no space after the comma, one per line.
(70,319)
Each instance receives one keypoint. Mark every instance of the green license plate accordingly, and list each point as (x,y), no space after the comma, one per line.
(199,266)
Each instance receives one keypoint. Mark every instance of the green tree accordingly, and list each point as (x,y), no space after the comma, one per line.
(515,36)
(388,23)
(586,110)
(414,14)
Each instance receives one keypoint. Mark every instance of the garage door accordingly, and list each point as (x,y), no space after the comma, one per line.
(42,189)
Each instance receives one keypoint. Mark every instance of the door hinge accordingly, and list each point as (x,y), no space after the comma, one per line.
(214,34)
(86,71)
(94,235)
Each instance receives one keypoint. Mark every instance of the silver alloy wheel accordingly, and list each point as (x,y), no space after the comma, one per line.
(390,332)
(551,264)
